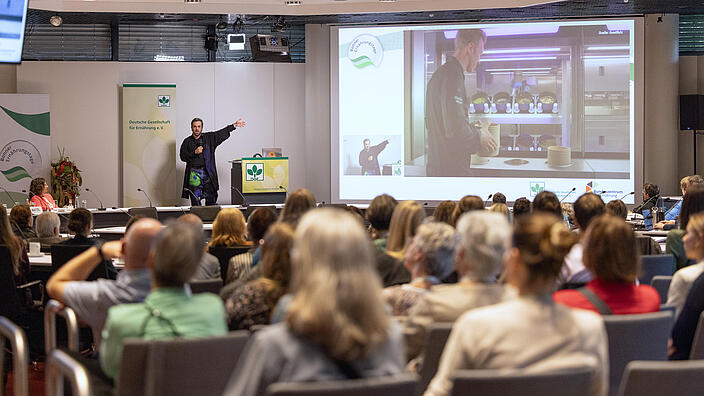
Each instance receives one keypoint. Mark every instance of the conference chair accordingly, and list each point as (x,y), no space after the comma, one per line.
(20,356)
(61,366)
(145,212)
(51,310)
(697,351)
(570,381)
(206,213)
(224,254)
(434,345)
(647,245)
(662,378)
(61,254)
(11,306)
(661,283)
(661,264)
(206,286)
(397,385)
(635,337)
(180,367)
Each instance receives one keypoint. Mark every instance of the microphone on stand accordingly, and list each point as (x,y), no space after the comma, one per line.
(102,207)
(630,193)
(487,200)
(237,190)
(568,194)
(145,194)
(640,207)
(192,194)
(8,194)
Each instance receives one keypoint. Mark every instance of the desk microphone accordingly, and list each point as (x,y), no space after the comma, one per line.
(8,194)
(244,200)
(568,194)
(145,194)
(102,207)
(640,207)
(192,194)
(630,193)
(487,200)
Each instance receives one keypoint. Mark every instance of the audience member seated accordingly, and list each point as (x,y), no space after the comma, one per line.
(673,213)
(428,259)
(611,255)
(651,196)
(499,208)
(498,198)
(47,226)
(228,229)
(18,255)
(531,332)
(483,238)
(568,214)
(21,222)
(467,204)
(692,203)
(446,212)
(379,216)
(80,224)
(586,207)
(91,300)
(252,303)
(169,311)
(521,206)
(617,208)
(694,248)
(336,326)
(405,220)
(546,201)
(296,205)
(241,265)
(39,195)
(209,266)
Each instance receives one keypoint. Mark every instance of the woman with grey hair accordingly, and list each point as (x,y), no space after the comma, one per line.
(429,258)
(483,238)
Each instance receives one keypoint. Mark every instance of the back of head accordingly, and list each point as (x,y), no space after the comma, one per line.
(546,201)
(177,250)
(521,206)
(696,225)
(617,208)
(138,241)
(21,215)
(651,189)
(468,203)
(610,251)
(404,222)
(191,218)
(692,203)
(542,241)
(258,223)
(484,237)
(499,208)
(691,181)
(380,210)
(445,212)
(437,243)
(228,228)
(133,219)
(587,207)
(337,303)
(276,254)
(297,204)
(79,221)
(47,225)
(498,198)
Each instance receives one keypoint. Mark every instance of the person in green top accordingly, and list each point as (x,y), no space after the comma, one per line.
(169,311)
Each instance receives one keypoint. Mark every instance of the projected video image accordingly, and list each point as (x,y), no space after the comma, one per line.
(377,155)
(12,21)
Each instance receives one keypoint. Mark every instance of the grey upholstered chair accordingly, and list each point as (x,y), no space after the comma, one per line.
(662,378)
(434,345)
(570,381)
(400,385)
(661,283)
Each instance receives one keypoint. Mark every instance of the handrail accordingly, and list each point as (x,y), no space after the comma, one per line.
(51,309)
(20,356)
(60,365)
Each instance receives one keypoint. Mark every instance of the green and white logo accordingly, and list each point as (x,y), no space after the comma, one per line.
(20,159)
(255,172)
(365,50)
(536,187)
(164,101)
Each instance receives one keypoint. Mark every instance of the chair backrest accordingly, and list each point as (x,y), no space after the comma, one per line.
(570,381)
(662,378)
(224,254)
(635,337)
(206,213)
(697,351)
(146,212)
(398,385)
(661,283)
(661,264)
(434,345)
(60,365)
(11,306)
(668,307)
(51,309)
(61,254)
(206,286)
(198,366)
(20,356)
(647,245)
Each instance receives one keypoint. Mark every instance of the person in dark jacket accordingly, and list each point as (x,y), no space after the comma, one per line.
(198,152)
(368,157)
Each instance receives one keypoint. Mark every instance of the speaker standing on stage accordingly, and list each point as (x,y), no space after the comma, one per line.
(198,152)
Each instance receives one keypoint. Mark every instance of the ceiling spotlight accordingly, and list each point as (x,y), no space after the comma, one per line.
(191,1)
(56,20)
(222,25)
(293,2)
(387,1)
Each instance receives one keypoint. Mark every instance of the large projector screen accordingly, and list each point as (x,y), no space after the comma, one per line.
(561,99)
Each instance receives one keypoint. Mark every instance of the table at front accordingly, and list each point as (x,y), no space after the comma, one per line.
(115,233)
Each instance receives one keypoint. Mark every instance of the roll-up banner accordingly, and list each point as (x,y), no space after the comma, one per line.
(25,144)
(148,145)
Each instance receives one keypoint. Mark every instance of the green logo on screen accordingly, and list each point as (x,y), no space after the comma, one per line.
(164,101)
(536,187)
(255,172)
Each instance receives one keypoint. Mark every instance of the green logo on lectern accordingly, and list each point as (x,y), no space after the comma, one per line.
(255,172)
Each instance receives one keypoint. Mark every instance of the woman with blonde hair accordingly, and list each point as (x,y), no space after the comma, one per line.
(407,216)
(684,278)
(499,208)
(336,326)
(296,205)
(228,229)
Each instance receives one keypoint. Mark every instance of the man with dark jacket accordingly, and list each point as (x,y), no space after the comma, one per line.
(368,157)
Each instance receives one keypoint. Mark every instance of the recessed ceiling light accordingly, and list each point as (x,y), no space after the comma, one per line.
(387,1)
(56,20)
(191,1)
(293,3)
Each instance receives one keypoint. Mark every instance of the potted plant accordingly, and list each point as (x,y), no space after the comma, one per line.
(65,180)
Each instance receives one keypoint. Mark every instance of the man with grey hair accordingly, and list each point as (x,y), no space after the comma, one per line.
(169,311)
(47,226)
(209,266)
(483,239)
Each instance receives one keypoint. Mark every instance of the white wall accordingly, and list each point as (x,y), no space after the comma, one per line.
(86,113)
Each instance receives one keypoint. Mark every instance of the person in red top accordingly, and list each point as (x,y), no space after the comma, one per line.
(610,254)
(38,195)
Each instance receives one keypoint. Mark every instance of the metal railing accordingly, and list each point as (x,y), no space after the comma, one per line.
(51,309)
(59,366)
(20,356)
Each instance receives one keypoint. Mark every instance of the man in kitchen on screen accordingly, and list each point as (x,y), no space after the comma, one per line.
(368,157)
(451,136)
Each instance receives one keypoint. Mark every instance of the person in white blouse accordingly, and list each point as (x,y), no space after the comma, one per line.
(532,332)
(694,248)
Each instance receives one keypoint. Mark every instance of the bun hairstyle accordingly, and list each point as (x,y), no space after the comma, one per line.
(543,241)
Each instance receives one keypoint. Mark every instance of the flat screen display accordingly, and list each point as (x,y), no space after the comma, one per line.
(13,17)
